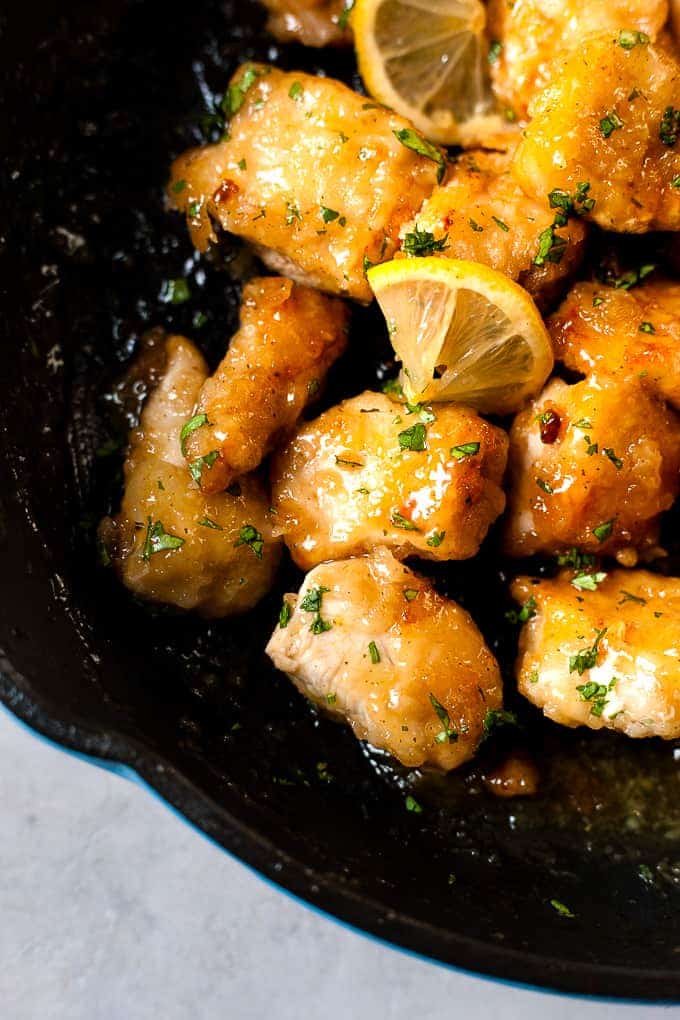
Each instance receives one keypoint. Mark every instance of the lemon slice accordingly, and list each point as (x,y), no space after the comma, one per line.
(428,61)
(463,332)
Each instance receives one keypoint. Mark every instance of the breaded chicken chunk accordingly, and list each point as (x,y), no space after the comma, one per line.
(627,333)
(374,644)
(592,466)
(530,34)
(288,339)
(169,542)
(606,657)
(610,119)
(480,213)
(310,22)
(314,175)
(368,473)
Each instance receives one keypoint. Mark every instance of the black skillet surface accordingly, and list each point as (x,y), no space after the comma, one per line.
(94,104)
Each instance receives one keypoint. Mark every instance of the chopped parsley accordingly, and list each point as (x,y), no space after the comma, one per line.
(646,327)
(596,694)
(551,247)
(296,91)
(422,242)
(285,614)
(393,386)
(475,226)
(576,559)
(178,187)
(292,214)
(646,874)
(675,183)
(464,450)
(410,594)
(496,717)
(616,461)
(311,603)
(447,735)
(426,415)
(250,536)
(399,521)
(610,123)
(604,530)
(207,522)
(343,20)
(413,438)
(413,806)
(196,466)
(495,49)
(436,539)
(571,205)
(348,463)
(545,486)
(628,39)
(631,278)
(561,909)
(197,422)
(525,613)
(499,223)
(157,540)
(235,95)
(328,215)
(412,140)
(374,653)
(199,320)
(588,582)
(587,657)
(175,292)
(670,126)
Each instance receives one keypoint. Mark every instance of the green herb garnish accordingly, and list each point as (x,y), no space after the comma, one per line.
(250,536)
(448,735)
(587,657)
(412,140)
(158,540)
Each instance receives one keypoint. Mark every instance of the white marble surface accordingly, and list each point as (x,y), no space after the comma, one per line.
(111,909)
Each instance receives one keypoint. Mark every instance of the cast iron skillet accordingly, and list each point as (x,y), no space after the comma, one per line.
(95,102)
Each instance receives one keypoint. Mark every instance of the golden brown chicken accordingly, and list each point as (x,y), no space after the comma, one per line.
(310,22)
(593,466)
(603,652)
(481,214)
(629,333)
(610,119)
(368,473)
(169,542)
(314,175)
(373,643)
(274,367)
(530,34)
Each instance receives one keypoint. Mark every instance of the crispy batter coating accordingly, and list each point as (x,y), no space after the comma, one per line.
(275,365)
(367,473)
(628,333)
(533,33)
(170,543)
(604,658)
(593,466)
(609,118)
(310,22)
(406,668)
(312,174)
(486,217)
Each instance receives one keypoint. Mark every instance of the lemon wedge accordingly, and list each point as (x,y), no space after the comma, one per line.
(429,60)
(463,332)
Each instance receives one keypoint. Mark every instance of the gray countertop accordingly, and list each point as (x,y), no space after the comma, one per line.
(112,909)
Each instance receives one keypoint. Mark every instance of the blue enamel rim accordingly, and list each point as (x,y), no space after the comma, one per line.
(128,772)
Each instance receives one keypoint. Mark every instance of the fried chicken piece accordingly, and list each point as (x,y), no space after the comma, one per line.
(606,658)
(374,644)
(532,33)
(593,466)
(367,473)
(627,333)
(609,118)
(312,174)
(481,214)
(310,22)
(288,339)
(170,543)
